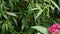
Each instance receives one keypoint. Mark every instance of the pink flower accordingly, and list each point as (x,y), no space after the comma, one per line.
(54,28)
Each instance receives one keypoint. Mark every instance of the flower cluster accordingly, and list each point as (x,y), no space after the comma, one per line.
(55,28)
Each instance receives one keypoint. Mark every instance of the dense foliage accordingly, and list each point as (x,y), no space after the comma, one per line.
(28,16)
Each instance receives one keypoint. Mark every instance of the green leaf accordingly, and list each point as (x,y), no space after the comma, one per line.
(1,22)
(3,29)
(15,21)
(34,9)
(24,24)
(55,5)
(11,4)
(42,1)
(6,26)
(52,7)
(11,13)
(39,13)
(5,16)
(41,29)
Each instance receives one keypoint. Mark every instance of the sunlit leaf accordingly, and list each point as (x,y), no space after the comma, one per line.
(41,29)
(39,13)
(55,5)
(11,14)
(52,7)
(5,16)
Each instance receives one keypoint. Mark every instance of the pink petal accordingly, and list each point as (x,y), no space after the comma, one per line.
(53,32)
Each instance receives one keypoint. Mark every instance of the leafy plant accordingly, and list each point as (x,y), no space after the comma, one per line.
(18,16)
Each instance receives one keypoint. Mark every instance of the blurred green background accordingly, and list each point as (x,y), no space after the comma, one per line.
(28,16)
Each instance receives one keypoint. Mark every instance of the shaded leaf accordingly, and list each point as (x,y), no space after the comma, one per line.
(3,29)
